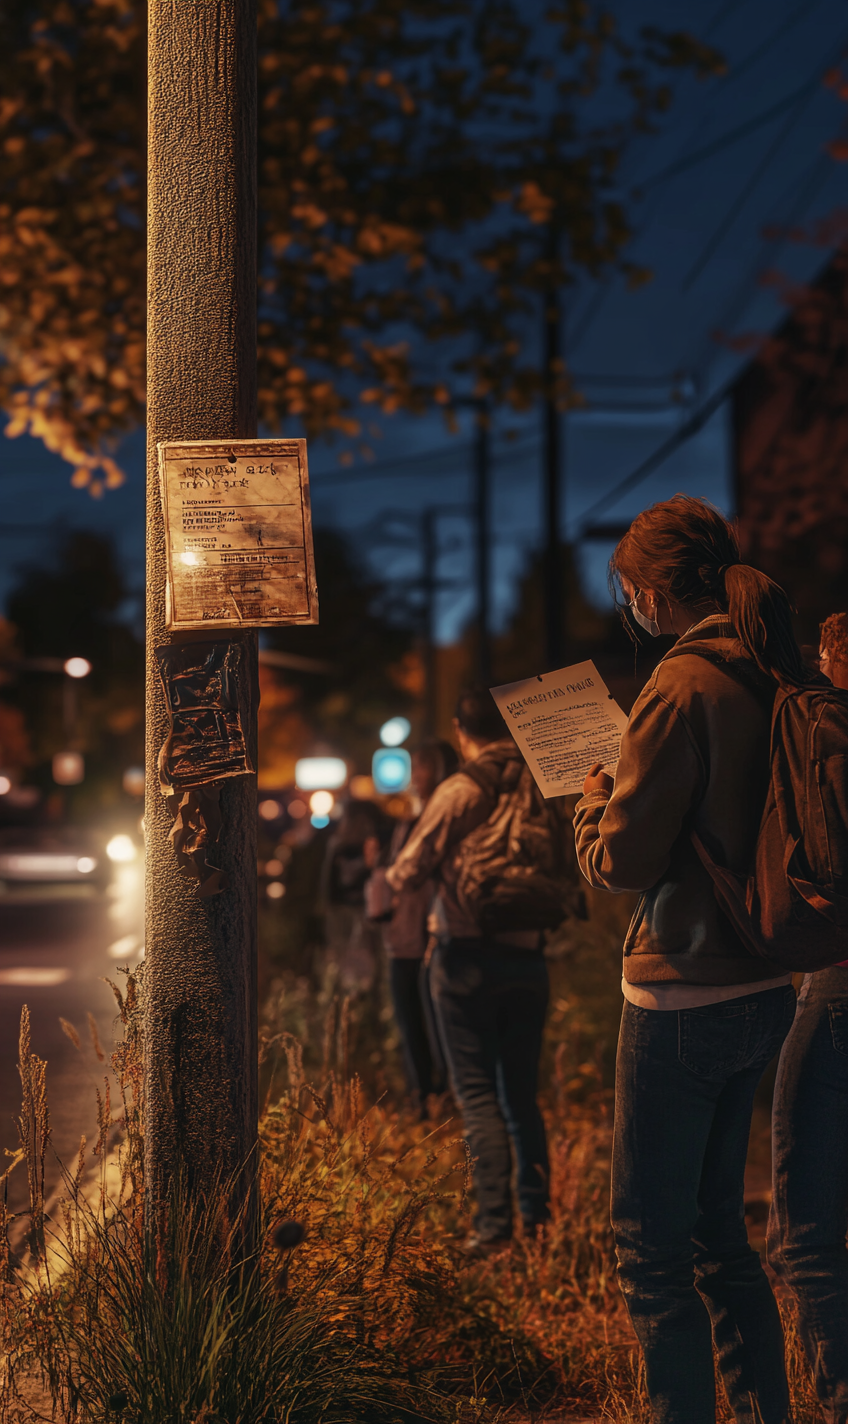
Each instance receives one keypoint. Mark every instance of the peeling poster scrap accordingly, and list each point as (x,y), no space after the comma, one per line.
(208,703)
(238,533)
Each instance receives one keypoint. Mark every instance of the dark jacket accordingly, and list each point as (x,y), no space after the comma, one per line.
(694,755)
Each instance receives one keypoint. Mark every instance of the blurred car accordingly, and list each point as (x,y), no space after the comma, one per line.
(66,857)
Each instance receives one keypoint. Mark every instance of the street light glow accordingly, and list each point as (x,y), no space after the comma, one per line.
(77,667)
(324,773)
(68,768)
(270,809)
(121,850)
(5,785)
(321,802)
(395,731)
(133,781)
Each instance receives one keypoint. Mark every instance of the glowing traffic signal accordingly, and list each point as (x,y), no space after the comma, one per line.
(391,768)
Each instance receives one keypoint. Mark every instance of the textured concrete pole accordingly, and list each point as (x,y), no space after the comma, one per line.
(200,976)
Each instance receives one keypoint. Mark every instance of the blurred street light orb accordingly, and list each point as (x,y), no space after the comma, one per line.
(274,867)
(297,809)
(324,773)
(362,788)
(121,850)
(270,810)
(85,865)
(391,770)
(77,667)
(133,780)
(68,768)
(321,802)
(5,785)
(394,732)
(275,890)
(319,822)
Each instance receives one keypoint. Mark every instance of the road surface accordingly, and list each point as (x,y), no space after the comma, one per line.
(56,946)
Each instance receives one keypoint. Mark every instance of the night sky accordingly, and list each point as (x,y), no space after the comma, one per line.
(736,160)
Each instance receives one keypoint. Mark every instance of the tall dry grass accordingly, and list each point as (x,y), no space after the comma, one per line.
(357,1303)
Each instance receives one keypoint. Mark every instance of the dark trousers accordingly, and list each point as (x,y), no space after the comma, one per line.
(684,1093)
(490,1003)
(809,1217)
(422,1059)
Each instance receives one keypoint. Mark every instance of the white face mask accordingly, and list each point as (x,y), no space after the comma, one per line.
(650,625)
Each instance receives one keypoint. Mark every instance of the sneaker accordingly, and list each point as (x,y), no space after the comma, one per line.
(479,1247)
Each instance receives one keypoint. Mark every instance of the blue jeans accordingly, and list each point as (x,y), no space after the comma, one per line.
(685,1085)
(809,1217)
(490,1002)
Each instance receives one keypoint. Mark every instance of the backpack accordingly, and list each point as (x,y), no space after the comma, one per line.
(793,908)
(513,868)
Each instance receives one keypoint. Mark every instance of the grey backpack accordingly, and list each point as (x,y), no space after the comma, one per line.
(516,869)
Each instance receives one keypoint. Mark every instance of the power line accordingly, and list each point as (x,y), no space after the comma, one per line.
(684,432)
(802,11)
(732,136)
(718,235)
(768,251)
(721,15)
(685,160)
(448,457)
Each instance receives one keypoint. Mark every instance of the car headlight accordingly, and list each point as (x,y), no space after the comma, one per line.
(121,850)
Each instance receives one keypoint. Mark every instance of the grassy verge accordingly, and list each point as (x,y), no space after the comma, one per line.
(354,1304)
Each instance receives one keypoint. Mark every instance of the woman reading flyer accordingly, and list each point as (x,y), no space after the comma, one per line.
(702,1016)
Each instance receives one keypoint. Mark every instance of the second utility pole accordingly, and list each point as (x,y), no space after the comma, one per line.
(552,580)
(482,522)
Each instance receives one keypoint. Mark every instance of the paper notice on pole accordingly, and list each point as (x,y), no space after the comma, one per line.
(563,722)
(238,533)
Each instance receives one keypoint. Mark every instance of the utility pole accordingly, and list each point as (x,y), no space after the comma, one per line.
(482,521)
(552,581)
(429,558)
(200,967)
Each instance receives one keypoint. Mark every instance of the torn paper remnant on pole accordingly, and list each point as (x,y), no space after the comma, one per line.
(563,722)
(238,533)
(207,696)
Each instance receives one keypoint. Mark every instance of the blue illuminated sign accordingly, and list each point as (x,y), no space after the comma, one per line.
(390,769)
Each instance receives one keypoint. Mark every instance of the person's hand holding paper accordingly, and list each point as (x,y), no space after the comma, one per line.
(598,780)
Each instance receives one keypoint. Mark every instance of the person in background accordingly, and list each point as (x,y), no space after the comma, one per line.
(809,1216)
(352,942)
(490,989)
(702,1016)
(405,935)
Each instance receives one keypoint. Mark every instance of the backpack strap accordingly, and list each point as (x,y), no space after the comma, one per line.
(483,781)
(742,670)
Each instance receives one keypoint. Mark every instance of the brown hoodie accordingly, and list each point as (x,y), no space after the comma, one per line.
(694,756)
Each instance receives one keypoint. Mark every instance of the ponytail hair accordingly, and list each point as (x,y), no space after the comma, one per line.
(686,551)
